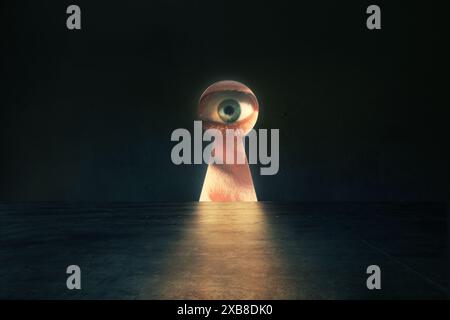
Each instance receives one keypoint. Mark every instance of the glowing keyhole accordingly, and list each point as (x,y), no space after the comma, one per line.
(229,105)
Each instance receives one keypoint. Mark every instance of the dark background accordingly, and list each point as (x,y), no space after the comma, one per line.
(87,115)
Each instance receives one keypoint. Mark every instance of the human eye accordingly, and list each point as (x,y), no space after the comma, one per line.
(229,104)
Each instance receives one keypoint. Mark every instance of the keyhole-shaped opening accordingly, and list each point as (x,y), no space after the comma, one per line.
(229,106)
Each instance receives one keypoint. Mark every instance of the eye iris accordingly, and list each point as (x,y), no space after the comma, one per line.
(229,110)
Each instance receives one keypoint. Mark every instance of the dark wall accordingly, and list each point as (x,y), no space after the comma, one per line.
(87,115)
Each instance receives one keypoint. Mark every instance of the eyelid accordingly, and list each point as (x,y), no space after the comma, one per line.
(227,85)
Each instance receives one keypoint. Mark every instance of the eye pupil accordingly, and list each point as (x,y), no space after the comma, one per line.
(228,110)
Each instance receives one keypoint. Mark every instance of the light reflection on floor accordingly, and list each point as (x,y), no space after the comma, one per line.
(226,252)
(264,250)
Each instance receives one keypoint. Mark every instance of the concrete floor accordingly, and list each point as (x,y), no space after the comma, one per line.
(222,251)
